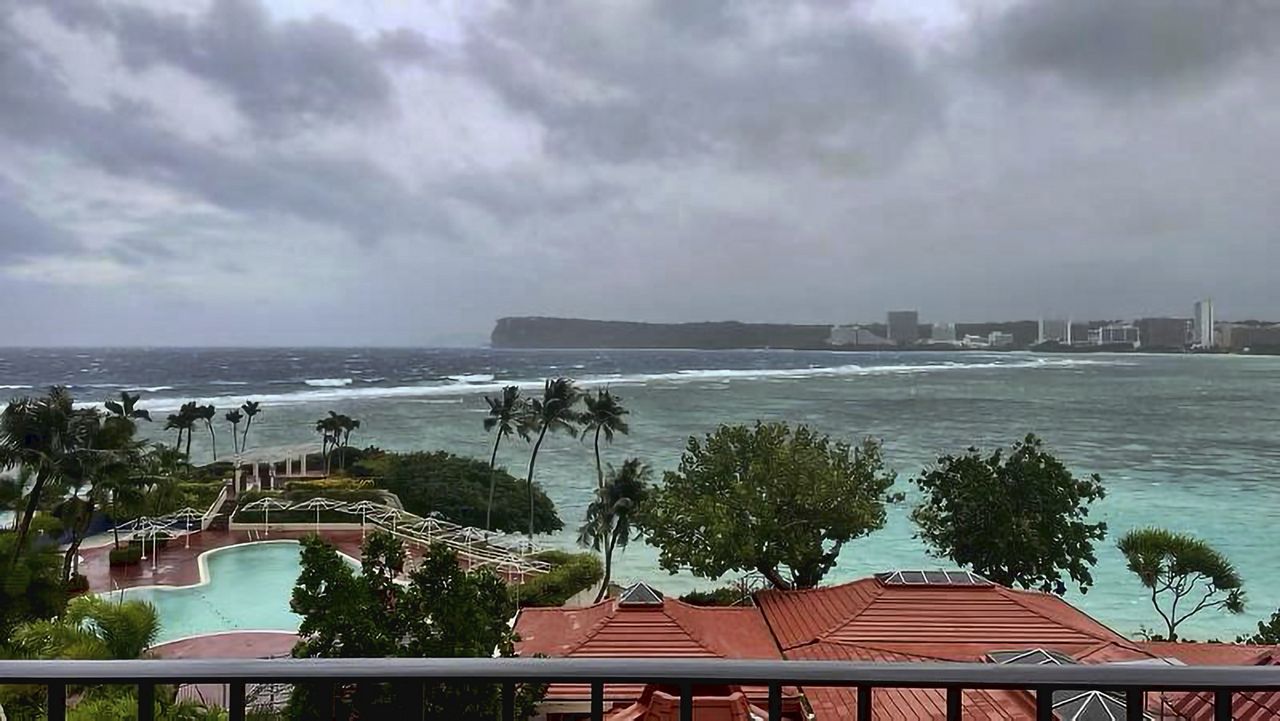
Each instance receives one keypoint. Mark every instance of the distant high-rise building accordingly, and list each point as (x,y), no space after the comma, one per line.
(1114,334)
(1202,323)
(1054,330)
(1000,339)
(1166,333)
(904,326)
(943,333)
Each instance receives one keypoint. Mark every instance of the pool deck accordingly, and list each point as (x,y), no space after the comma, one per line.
(177,566)
(237,644)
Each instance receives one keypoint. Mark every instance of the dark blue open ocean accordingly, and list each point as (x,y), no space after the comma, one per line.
(1187,442)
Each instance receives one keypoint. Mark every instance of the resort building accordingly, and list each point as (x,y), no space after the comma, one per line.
(904,326)
(1055,330)
(940,616)
(1202,324)
(1000,339)
(1114,334)
(642,623)
(1164,333)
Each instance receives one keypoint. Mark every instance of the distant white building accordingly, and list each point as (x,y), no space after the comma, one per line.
(1055,330)
(1000,339)
(1114,334)
(852,335)
(944,332)
(1202,324)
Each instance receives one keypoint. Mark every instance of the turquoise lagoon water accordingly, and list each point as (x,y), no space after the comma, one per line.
(247,589)
(1190,442)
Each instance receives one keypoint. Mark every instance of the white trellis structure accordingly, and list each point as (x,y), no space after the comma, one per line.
(510,555)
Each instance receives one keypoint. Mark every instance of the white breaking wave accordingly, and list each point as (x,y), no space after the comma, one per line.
(13,388)
(228,383)
(472,378)
(328,382)
(336,393)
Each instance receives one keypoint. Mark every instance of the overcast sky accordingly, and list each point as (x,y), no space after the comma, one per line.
(253,172)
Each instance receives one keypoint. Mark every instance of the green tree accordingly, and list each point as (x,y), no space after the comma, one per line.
(441,612)
(126,408)
(508,414)
(207,414)
(235,418)
(251,410)
(604,415)
(1268,632)
(330,429)
(556,412)
(40,435)
(184,422)
(768,499)
(457,488)
(608,524)
(1176,567)
(32,587)
(1019,519)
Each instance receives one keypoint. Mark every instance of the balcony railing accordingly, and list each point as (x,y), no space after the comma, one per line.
(1130,682)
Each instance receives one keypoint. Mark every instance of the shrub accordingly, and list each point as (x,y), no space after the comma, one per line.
(570,574)
(458,488)
(125,555)
(723,596)
(78,583)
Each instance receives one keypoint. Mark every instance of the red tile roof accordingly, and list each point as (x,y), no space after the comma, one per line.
(1209,654)
(673,629)
(726,703)
(871,621)
(1254,706)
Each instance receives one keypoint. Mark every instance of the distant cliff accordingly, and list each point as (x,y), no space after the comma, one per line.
(538,332)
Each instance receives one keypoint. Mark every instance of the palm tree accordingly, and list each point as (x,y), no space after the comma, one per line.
(250,409)
(39,434)
(184,421)
(508,414)
(330,430)
(555,411)
(604,415)
(126,408)
(92,628)
(234,417)
(346,424)
(607,525)
(207,414)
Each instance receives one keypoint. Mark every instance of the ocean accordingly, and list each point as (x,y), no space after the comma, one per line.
(1191,443)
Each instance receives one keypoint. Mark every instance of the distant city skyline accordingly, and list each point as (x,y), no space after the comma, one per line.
(274,172)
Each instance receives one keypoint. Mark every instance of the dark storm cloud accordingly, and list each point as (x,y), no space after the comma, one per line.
(279,74)
(23,234)
(122,139)
(1131,47)
(687,80)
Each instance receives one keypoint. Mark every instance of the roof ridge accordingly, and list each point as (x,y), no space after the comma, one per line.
(1017,597)
(595,629)
(692,636)
(878,590)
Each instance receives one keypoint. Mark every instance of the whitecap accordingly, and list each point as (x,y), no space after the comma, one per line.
(328,382)
(472,378)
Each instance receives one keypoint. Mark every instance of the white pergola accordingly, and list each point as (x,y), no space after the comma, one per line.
(266,505)
(272,455)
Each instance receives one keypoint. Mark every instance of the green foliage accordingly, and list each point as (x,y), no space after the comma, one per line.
(1268,632)
(78,583)
(1177,567)
(570,574)
(722,596)
(608,522)
(92,628)
(767,499)
(442,612)
(1019,520)
(32,588)
(458,488)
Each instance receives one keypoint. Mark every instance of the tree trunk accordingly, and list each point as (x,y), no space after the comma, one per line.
(77,537)
(115,520)
(244,438)
(599,468)
(609,545)
(178,446)
(213,439)
(493,481)
(29,512)
(533,458)
(772,575)
(189,444)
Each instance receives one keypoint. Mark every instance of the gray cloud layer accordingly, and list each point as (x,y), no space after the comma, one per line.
(355,177)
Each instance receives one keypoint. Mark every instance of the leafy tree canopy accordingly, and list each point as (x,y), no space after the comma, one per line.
(1184,574)
(766,498)
(1020,519)
(458,488)
(442,612)
(32,588)
(1268,632)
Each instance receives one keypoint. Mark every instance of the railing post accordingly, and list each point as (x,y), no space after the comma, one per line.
(775,701)
(597,701)
(1135,704)
(954,706)
(864,703)
(686,701)
(235,701)
(146,702)
(1044,704)
(1222,705)
(57,701)
(508,701)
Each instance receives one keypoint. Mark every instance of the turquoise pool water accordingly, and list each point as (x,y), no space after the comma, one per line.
(245,588)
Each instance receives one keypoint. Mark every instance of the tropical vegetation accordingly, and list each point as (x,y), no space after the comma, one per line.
(555,412)
(766,498)
(609,522)
(1184,575)
(1019,517)
(508,414)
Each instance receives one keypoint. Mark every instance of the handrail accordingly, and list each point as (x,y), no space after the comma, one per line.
(1102,677)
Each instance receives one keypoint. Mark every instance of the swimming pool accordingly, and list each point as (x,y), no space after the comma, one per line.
(242,588)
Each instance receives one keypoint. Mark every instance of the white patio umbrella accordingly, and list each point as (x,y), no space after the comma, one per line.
(363,508)
(185,515)
(317,504)
(468,535)
(266,504)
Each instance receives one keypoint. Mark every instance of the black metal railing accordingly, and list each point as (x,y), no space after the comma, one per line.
(1128,681)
